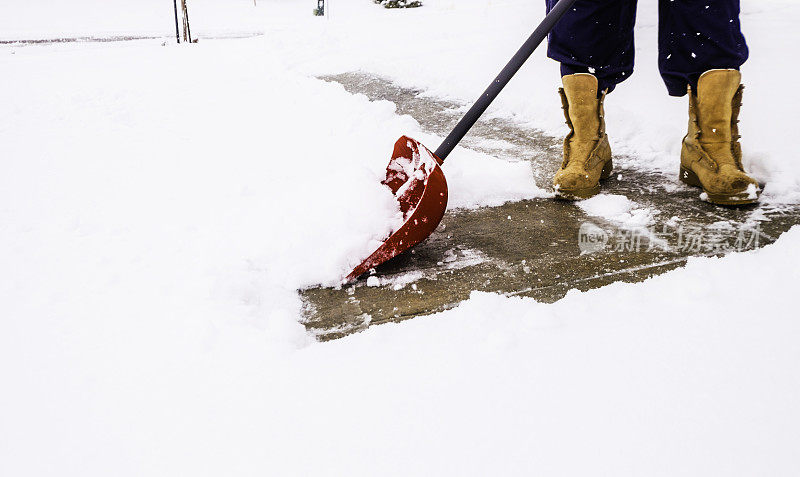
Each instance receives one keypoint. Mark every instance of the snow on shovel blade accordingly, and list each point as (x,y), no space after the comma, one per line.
(418,183)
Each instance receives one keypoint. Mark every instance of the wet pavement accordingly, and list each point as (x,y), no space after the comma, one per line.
(532,248)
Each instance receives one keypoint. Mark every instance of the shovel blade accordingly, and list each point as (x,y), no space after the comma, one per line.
(416,179)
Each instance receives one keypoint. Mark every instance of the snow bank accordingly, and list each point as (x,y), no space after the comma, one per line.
(223,150)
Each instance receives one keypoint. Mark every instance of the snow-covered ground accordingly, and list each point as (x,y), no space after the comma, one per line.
(691,373)
(160,206)
(453,48)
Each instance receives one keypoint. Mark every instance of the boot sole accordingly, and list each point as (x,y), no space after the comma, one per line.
(687,176)
(586,193)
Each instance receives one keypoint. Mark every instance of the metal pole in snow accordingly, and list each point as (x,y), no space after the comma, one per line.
(188,28)
(177,30)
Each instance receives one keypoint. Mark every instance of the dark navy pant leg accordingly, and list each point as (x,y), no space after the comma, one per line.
(595,36)
(696,36)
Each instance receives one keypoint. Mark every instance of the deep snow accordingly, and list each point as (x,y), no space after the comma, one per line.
(160,205)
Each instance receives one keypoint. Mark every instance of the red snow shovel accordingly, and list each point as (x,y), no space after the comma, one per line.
(414,174)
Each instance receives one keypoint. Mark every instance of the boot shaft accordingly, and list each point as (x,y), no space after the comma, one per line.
(714,109)
(583,109)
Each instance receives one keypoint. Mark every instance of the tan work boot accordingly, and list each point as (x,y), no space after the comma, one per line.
(711,156)
(587,154)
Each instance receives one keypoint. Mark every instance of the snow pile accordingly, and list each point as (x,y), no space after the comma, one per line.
(397,282)
(159,208)
(474,180)
(169,156)
(617,208)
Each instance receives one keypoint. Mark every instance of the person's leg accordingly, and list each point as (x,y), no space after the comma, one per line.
(594,43)
(595,36)
(696,36)
(700,50)
(587,153)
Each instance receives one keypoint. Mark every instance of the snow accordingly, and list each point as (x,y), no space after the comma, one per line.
(40,19)
(161,205)
(397,282)
(475,179)
(490,32)
(619,209)
(684,372)
(752,191)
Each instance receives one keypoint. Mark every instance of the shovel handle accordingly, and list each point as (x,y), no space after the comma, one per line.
(480,106)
